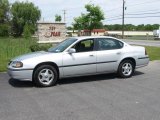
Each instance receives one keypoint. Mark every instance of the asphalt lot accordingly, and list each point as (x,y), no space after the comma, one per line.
(102,97)
(155,43)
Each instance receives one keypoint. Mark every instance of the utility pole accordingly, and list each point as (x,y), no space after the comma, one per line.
(64,12)
(123,19)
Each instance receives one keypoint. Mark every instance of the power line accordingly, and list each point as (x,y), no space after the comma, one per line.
(144,13)
(144,17)
(133,13)
(120,18)
(111,10)
(115,16)
(132,5)
(147,2)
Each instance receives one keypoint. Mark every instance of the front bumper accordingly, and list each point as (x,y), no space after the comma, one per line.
(20,74)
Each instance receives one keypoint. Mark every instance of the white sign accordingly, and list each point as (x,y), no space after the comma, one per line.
(51,32)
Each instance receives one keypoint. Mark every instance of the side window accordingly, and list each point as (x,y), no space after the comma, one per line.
(108,44)
(84,46)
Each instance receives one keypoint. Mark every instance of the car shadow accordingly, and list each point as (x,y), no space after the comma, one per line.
(19,84)
(137,73)
(102,77)
(92,78)
(87,79)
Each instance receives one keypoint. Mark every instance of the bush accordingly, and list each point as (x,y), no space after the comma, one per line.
(40,47)
(4,30)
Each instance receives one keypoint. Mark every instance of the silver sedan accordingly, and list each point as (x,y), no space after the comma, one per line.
(79,56)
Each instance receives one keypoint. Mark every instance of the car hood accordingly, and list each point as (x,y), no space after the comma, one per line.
(30,55)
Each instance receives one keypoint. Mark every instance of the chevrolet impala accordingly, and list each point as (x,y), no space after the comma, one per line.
(79,56)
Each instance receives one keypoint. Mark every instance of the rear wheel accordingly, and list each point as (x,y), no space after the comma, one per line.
(126,69)
(45,76)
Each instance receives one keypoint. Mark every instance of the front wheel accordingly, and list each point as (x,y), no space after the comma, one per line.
(126,69)
(45,76)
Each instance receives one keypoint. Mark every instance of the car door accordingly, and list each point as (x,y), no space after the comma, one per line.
(108,53)
(82,62)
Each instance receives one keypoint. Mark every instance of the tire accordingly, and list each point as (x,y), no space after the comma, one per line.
(45,76)
(126,69)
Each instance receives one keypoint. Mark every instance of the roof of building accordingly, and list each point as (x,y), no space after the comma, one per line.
(98,30)
(44,22)
(95,30)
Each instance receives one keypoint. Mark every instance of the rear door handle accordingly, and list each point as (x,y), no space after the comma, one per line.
(118,53)
(91,55)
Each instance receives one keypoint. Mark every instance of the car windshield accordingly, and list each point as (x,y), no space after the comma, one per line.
(62,46)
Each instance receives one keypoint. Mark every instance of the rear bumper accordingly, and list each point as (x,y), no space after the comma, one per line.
(20,74)
(143,61)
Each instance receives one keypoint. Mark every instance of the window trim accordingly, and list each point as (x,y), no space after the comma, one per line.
(85,40)
(97,45)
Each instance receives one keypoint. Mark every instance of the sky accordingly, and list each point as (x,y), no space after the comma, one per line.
(137,11)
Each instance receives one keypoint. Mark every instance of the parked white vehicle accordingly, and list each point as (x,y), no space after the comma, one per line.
(156,34)
(79,56)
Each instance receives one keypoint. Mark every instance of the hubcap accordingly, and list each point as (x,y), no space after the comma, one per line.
(127,69)
(46,76)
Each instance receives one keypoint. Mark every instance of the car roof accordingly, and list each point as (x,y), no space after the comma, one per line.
(88,37)
(92,37)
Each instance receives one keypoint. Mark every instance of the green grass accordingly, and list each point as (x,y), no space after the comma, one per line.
(11,47)
(153,52)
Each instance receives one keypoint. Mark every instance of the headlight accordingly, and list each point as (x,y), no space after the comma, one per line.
(17,64)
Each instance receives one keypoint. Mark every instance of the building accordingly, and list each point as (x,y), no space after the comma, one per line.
(94,32)
(131,33)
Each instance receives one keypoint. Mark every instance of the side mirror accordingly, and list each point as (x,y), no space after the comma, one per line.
(71,50)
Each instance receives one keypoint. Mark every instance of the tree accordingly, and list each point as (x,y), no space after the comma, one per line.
(94,16)
(69,28)
(58,18)
(155,26)
(148,27)
(24,13)
(27,31)
(81,22)
(130,27)
(4,18)
(140,27)
(91,20)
